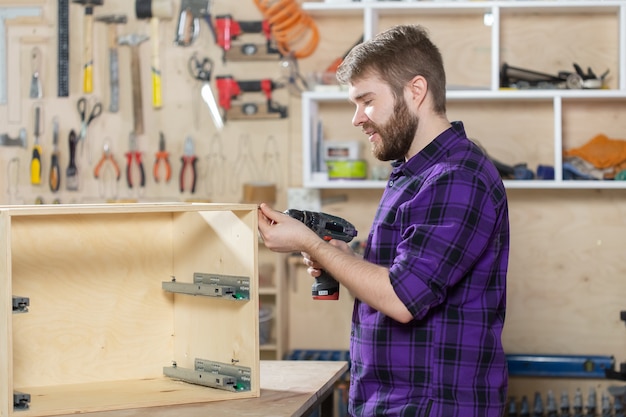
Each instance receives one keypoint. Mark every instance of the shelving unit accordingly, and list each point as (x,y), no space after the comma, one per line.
(586,32)
(272,295)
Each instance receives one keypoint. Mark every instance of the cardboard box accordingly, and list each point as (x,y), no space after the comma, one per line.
(100,329)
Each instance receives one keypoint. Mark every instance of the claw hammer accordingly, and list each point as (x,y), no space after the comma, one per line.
(133,41)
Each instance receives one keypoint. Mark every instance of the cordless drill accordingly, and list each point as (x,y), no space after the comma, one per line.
(326,227)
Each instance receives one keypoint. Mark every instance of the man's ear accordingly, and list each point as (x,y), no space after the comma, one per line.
(418,87)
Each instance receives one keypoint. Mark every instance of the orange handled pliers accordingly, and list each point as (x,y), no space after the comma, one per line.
(107,156)
(162,156)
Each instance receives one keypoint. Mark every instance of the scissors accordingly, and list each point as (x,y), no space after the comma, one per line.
(86,118)
(201,69)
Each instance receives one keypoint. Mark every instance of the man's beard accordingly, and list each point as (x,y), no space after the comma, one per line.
(396,136)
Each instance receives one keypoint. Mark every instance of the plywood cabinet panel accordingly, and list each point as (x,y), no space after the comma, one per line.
(100,327)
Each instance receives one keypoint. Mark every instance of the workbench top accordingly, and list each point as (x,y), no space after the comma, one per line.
(288,389)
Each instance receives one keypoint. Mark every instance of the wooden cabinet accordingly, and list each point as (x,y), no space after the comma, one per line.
(115,314)
(530,126)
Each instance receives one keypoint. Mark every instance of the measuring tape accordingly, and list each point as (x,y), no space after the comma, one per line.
(63,52)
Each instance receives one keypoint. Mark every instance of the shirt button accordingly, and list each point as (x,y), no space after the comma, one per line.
(391,183)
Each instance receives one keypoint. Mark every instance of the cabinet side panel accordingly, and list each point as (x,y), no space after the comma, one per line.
(223,330)
(97,310)
(6,354)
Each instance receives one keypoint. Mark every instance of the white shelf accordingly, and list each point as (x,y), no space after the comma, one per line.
(486,94)
(510,184)
(313,102)
(461,7)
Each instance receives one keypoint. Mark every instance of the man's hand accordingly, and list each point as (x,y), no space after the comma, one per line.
(282,233)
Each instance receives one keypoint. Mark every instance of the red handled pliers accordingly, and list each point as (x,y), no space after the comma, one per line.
(134,153)
(189,160)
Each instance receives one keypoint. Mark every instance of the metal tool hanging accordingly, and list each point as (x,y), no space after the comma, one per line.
(36,89)
(188,27)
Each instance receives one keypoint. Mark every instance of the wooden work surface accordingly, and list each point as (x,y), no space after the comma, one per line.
(288,388)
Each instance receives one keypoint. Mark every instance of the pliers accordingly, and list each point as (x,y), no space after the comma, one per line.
(107,156)
(162,156)
(189,160)
(133,152)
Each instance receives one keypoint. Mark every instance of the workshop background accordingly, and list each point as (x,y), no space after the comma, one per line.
(565,287)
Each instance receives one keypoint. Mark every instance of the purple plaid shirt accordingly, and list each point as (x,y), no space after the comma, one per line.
(442,228)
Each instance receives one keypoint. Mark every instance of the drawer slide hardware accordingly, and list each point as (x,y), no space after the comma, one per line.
(212,374)
(20,304)
(212,285)
(21,400)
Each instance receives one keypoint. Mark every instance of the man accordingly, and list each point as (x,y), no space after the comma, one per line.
(430,289)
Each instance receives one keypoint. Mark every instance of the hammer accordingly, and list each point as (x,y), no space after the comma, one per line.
(153,10)
(88,47)
(133,40)
(114,79)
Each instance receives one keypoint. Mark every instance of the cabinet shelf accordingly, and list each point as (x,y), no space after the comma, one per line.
(557,118)
(268,291)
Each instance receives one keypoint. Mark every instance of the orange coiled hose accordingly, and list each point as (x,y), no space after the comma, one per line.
(294,31)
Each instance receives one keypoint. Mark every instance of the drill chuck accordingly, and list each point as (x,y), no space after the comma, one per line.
(327,227)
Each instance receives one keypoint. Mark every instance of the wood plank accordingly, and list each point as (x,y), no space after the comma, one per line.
(288,389)
(119,395)
(6,322)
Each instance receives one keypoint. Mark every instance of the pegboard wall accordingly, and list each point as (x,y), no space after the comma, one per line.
(249,150)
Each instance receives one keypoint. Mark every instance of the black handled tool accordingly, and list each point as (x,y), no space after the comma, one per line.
(55,172)
(71,173)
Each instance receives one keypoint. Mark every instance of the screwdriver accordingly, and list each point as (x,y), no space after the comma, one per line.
(35,163)
(55,172)
(71,174)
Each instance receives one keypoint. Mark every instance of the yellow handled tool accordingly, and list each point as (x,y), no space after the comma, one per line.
(35,163)
(154,10)
(87,45)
